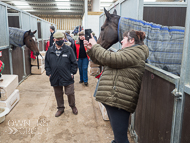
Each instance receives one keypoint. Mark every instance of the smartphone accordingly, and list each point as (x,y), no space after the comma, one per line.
(88,34)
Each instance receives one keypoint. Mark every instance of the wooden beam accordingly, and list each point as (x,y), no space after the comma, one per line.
(59,16)
(94,13)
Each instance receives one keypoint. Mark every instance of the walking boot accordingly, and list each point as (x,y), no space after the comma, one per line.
(59,112)
(75,111)
(80,81)
(86,83)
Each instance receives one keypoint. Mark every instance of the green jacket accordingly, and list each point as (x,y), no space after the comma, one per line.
(121,80)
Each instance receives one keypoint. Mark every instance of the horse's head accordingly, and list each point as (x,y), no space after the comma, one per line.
(30,43)
(108,35)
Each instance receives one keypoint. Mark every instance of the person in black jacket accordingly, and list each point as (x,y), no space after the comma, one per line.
(70,39)
(52,30)
(60,66)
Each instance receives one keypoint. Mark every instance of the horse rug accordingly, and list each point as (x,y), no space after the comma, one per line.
(165,43)
(16,36)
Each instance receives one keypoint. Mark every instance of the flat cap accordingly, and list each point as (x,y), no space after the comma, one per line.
(58,34)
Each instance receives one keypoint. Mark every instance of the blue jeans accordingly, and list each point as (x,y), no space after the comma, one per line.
(83,69)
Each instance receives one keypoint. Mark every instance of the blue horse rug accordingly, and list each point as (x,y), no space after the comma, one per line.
(165,43)
(16,36)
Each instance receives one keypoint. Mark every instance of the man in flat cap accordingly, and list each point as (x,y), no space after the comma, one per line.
(60,66)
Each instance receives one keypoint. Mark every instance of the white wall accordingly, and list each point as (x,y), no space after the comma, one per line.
(93,23)
(83,21)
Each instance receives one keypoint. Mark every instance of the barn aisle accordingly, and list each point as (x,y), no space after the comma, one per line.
(32,119)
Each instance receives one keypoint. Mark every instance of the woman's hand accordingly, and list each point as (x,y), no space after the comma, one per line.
(87,45)
(91,42)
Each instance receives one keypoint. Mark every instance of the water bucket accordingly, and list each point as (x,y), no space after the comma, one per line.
(3,111)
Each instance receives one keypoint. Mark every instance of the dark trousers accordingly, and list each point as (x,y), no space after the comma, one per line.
(69,91)
(119,120)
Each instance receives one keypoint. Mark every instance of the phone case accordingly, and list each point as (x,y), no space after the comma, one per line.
(88,34)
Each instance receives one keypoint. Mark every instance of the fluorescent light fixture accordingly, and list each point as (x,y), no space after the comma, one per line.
(23,6)
(149,0)
(106,0)
(62,0)
(20,3)
(105,5)
(30,10)
(61,7)
(62,3)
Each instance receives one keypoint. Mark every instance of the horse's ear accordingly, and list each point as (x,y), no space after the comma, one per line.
(29,32)
(34,32)
(108,15)
(115,12)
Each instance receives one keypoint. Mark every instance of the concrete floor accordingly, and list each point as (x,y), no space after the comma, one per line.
(33,119)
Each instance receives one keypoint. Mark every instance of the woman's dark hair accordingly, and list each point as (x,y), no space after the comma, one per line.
(52,27)
(138,36)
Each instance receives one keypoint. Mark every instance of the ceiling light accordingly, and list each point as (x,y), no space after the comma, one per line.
(29,10)
(62,0)
(61,7)
(62,3)
(106,0)
(149,0)
(23,6)
(106,5)
(20,3)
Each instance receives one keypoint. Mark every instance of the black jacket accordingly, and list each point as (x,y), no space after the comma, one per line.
(70,40)
(51,39)
(60,67)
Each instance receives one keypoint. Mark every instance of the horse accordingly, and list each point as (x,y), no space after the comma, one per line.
(110,27)
(157,37)
(30,43)
(19,38)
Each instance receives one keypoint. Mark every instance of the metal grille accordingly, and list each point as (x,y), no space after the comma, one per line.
(26,22)
(3,28)
(34,25)
(169,0)
(45,30)
(127,9)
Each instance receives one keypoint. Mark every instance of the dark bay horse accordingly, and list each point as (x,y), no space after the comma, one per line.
(30,43)
(108,35)
(19,38)
(171,37)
